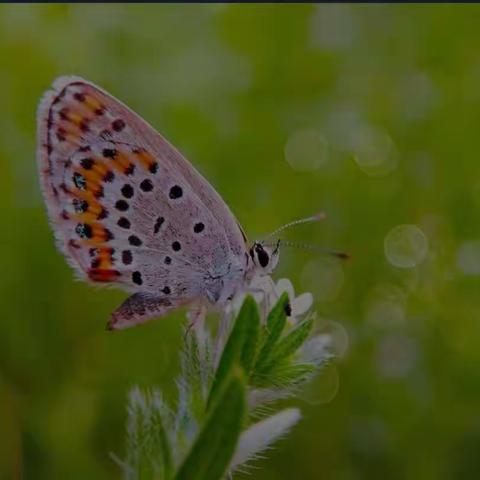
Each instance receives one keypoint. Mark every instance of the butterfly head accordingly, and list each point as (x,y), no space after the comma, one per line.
(265,258)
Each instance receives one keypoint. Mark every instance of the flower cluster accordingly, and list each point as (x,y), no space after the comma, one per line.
(263,351)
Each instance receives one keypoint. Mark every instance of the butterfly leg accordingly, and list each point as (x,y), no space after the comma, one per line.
(139,308)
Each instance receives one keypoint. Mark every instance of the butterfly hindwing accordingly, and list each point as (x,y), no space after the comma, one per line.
(126,207)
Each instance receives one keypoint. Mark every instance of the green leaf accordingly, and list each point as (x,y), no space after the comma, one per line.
(193,377)
(161,438)
(214,447)
(149,451)
(240,348)
(287,346)
(278,315)
(137,435)
(276,321)
(285,375)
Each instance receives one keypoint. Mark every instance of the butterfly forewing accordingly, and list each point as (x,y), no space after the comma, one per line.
(126,207)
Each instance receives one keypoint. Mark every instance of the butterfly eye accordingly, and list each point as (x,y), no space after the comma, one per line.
(262,255)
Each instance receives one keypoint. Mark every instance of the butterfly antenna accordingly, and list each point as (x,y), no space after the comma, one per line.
(315,248)
(313,218)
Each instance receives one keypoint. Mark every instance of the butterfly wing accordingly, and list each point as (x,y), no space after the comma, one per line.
(126,207)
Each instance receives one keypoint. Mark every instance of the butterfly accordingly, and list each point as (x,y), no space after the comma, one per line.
(129,210)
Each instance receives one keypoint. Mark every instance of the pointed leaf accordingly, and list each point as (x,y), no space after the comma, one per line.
(162,440)
(148,444)
(263,434)
(240,347)
(212,452)
(287,346)
(285,375)
(276,321)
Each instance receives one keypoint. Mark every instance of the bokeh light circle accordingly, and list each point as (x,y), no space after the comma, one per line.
(406,246)
(374,151)
(306,150)
(468,257)
(323,277)
(333,27)
(386,307)
(396,356)
(335,337)
(324,387)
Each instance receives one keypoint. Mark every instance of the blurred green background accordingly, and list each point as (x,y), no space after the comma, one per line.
(370,113)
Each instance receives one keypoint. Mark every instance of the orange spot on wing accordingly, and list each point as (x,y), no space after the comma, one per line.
(69,132)
(144,158)
(79,109)
(100,235)
(104,258)
(85,217)
(92,214)
(101,169)
(93,104)
(121,162)
(93,183)
(73,116)
(93,205)
(93,177)
(103,275)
